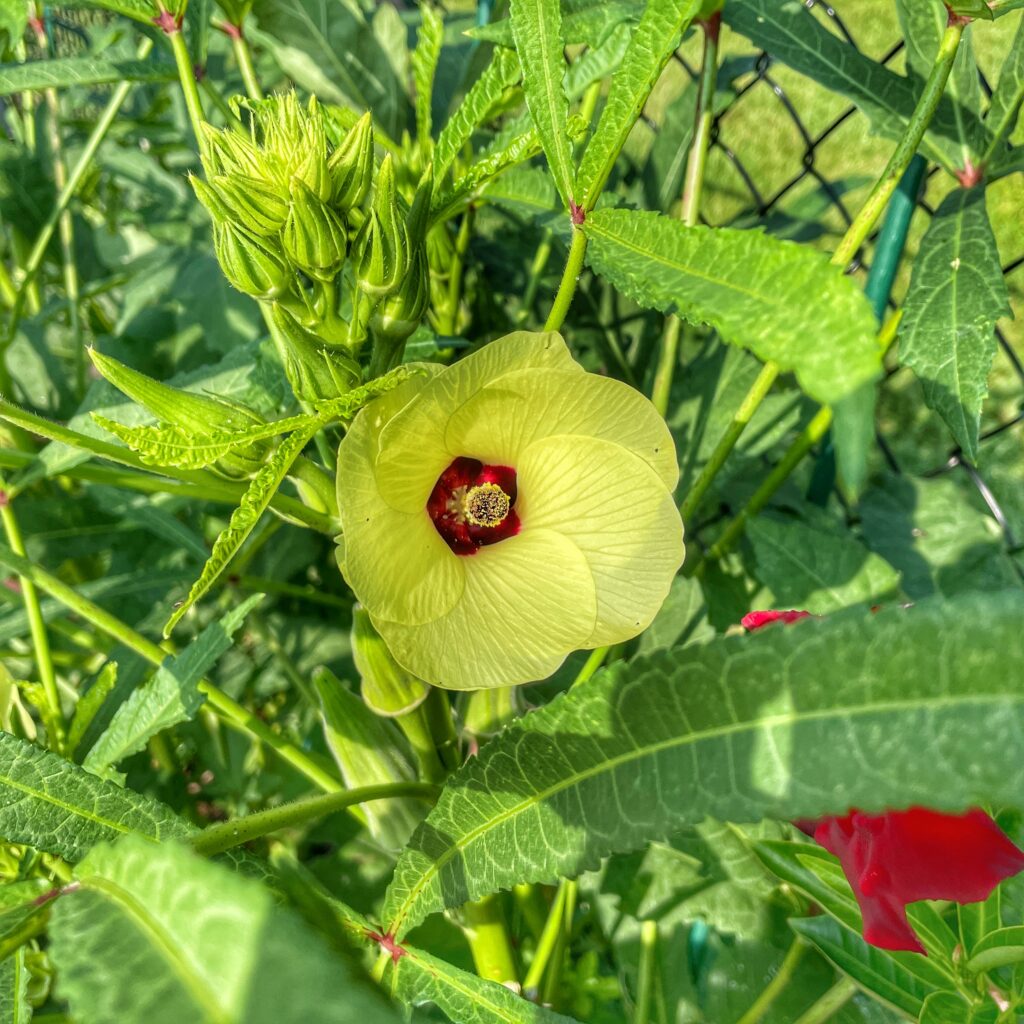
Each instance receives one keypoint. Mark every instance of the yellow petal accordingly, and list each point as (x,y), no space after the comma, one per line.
(529,601)
(413,450)
(396,563)
(523,406)
(618,512)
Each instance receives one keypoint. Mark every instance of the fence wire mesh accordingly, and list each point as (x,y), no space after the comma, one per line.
(1003,499)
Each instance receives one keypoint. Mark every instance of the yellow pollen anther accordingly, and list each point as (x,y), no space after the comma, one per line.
(486,505)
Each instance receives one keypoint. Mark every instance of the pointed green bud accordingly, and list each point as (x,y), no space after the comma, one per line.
(387,688)
(369,751)
(198,413)
(419,215)
(249,265)
(255,205)
(382,245)
(314,370)
(228,152)
(351,165)
(314,236)
(487,712)
(400,314)
(211,198)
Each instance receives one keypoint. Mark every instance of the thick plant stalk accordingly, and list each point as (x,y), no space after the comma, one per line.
(777,985)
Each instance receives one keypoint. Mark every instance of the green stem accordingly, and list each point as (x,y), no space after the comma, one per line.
(212,488)
(546,944)
(645,981)
(458,264)
(243,55)
(415,725)
(553,981)
(438,710)
(570,278)
(591,665)
(693,188)
(834,999)
(30,267)
(752,400)
(907,147)
(37,625)
(224,706)
(227,834)
(189,86)
(540,261)
(777,985)
(489,941)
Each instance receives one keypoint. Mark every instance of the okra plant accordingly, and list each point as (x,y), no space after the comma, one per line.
(480,543)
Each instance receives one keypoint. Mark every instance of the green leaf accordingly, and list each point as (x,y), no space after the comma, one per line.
(652,44)
(138,10)
(63,72)
(742,728)
(463,997)
(13,20)
(782,301)
(254,503)
(15,1007)
(171,696)
(817,570)
(90,703)
(424,66)
(537,31)
(21,903)
(55,806)
(156,934)
(480,103)
(529,192)
(998,949)
(1004,110)
(972,9)
(874,969)
(956,295)
(790,33)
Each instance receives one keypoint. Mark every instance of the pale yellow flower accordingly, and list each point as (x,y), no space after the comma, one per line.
(502,512)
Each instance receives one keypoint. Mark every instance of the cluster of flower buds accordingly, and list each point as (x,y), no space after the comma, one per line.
(310,227)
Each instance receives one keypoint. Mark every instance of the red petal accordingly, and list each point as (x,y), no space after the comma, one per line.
(901,857)
(755,620)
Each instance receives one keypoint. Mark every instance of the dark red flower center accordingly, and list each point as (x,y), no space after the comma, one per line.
(473,504)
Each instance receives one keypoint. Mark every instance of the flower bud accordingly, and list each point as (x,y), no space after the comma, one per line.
(211,198)
(255,205)
(315,371)
(228,152)
(247,264)
(419,215)
(386,687)
(351,165)
(314,236)
(400,314)
(382,243)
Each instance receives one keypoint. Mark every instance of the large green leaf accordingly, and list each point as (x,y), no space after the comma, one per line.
(740,728)
(783,301)
(537,30)
(67,71)
(790,33)
(956,295)
(652,44)
(156,934)
(817,570)
(424,66)
(53,805)
(583,21)
(171,696)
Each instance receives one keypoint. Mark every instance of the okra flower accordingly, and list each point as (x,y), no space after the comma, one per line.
(899,857)
(502,512)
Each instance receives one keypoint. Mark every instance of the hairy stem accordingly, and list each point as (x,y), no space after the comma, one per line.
(489,941)
(227,834)
(224,706)
(546,944)
(570,278)
(645,982)
(832,1001)
(243,56)
(189,85)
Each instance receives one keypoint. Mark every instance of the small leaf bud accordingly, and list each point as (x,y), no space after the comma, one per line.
(314,236)
(248,264)
(315,371)
(351,165)
(255,205)
(382,245)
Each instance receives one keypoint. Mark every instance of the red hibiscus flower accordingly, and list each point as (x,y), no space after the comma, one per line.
(899,857)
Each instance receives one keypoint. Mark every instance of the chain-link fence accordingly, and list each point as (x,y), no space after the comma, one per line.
(763,79)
